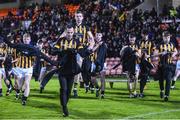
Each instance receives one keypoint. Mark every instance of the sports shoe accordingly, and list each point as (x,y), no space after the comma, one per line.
(172,87)
(135,94)
(131,95)
(24,99)
(97,92)
(141,95)
(17,96)
(161,94)
(24,102)
(86,89)
(65,111)
(7,92)
(166,98)
(92,90)
(102,96)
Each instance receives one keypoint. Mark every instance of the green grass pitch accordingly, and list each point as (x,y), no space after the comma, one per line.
(116,105)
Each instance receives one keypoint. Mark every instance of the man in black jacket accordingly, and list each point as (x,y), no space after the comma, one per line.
(66,49)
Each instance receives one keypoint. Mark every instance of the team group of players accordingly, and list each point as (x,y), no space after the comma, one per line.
(77,56)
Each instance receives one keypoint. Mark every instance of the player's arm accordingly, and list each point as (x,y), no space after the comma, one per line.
(91,39)
(175,52)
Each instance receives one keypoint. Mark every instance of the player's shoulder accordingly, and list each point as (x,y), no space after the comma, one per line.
(83,24)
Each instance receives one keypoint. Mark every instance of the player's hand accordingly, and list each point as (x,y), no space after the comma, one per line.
(165,52)
(91,42)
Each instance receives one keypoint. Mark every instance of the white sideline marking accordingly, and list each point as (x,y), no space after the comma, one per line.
(148,114)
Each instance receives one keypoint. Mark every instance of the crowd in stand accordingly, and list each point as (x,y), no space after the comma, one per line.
(112,17)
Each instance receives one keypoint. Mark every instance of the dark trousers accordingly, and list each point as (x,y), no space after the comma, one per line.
(166,75)
(143,81)
(86,78)
(47,77)
(66,83)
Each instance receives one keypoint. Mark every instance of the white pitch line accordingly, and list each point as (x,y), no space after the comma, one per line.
(148,114)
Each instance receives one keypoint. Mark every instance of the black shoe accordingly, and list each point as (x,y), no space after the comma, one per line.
(75,94)
(97,93)
(102,96)
(41,89)
(92,90)
(161,94)
(1,94)
(17,97)
(135,95)
(65,111)
(172,87)
(141,95)
(24,99)
(87,89)
(24,102)
(166,98)
(7,92)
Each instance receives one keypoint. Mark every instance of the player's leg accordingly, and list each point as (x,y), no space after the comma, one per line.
(1,76)
(28,76)
(103,83)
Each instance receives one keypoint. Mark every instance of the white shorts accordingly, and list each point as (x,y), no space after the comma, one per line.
(137,67)
(25,71)
(16,71)
(2,72)
(79,59)
(43,69)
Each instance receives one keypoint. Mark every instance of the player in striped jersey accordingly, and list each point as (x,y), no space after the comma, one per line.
(9,64)
(147,48)
(84,35)
(166,68)
(25,69)
(2,58)
(130,65)
(66,49)
(82,31)
(97,62)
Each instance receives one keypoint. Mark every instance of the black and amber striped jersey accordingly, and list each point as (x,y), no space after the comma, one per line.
(169,49)
(65,44)
(81,33)
(134,47)
(43,62)
(67,55)
(12,52)
(100,54)
(2,55)
(25,60)
(147,46)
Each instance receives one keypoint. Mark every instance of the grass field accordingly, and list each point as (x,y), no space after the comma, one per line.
(116,105)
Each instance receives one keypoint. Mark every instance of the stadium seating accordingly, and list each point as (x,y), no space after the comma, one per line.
(111,62)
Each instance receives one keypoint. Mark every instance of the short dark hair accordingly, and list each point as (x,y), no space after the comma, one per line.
(145,32)
(166,33)
(131,35)
(70,25)
(79,12)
